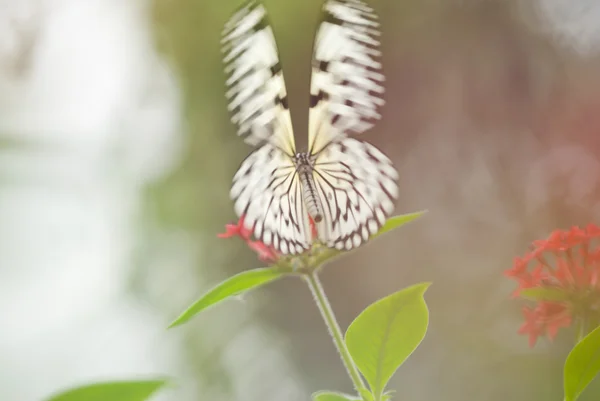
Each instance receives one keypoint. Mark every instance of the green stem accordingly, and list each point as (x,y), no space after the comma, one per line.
(334,328)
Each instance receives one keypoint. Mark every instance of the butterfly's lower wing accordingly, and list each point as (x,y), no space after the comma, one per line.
(267,192)
(357,185)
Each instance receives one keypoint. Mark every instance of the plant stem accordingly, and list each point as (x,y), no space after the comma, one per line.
(334,328)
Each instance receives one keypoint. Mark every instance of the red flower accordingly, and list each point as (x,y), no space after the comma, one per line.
(231,230)
(265,253)
(568,263)
(545,318)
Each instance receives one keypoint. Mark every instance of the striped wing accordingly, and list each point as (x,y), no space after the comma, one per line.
(267,192)
(357,185)
(257,95)
(346,77)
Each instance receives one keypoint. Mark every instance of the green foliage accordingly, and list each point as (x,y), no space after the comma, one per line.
(384,335)
(544,294)
(233,286)
(582,365)
(114,391)
(391,224)
(380,338)
(365,394)
(395,222)
(333,396)
(251,279)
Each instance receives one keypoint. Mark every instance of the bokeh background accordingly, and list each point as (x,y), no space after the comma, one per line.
(116,156)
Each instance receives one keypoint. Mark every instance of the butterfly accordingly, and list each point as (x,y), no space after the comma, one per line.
(346,186)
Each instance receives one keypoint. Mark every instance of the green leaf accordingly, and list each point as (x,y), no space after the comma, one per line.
(384,335)
(582,365)
(387,395)
(365,394)
(113,391)
(544,294)
(233,286)
(333,396)
(397,221)
(391,224)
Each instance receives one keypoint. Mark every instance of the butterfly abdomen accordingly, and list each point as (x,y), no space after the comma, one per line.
(309,188)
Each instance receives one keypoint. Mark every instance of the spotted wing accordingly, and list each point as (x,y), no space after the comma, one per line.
(257,94)
(345,90)
(267,193)
(357,185)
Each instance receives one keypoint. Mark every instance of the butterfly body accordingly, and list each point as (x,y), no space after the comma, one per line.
(305,169)
(345,185)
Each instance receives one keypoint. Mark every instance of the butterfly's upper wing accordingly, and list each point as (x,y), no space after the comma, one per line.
(257,94)
(267,193)
(345,88)
(357,185)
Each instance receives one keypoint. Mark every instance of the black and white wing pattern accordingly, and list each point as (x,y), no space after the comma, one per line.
(267,192)
(266,189)
(345,90)
(357,185)
(352,181)
(257,94)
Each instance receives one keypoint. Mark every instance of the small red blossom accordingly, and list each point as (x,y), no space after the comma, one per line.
(568,261)
(265,253)
(238,229)
(313,228)
(545,318)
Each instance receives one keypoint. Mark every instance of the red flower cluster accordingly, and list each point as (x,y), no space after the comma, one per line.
(567,263)
(265,253)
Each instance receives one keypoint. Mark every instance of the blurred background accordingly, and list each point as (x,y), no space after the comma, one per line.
(116,158)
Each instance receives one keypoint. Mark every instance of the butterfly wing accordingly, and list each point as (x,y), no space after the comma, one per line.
(345,91)
(357,185)
(257,94)
(266,190)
